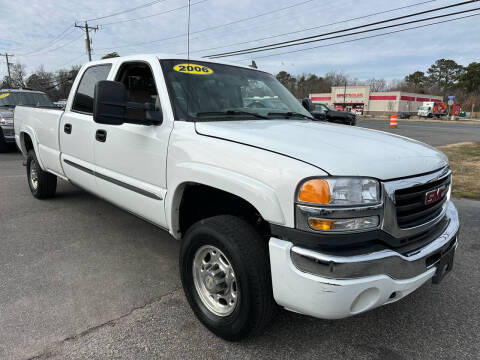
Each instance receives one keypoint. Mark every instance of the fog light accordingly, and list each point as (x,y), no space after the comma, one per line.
(343,224)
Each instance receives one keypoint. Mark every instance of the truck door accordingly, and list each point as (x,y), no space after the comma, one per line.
(77,129)
(131,159)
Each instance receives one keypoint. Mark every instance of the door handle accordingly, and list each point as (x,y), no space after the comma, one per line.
(101,135)
(67,128)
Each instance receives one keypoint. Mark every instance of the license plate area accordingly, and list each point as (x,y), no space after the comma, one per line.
(443,261)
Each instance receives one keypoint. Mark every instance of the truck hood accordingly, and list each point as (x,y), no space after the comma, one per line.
(6,112)
(336,149)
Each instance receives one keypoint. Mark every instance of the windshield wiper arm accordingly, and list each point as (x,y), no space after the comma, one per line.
(231,112)
(290,114)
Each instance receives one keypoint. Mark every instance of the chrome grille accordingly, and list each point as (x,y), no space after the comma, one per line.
(8,132)
(411,210)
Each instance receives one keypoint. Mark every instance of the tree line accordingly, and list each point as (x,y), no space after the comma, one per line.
(444,77)
(56,84)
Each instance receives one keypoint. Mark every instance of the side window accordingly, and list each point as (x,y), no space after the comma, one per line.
(84,97)
(140,85)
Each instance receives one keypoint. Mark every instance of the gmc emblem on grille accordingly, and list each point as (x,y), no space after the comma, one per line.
(435,195)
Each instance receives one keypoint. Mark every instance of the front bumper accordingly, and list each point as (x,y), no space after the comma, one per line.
(7,134)
(332,287)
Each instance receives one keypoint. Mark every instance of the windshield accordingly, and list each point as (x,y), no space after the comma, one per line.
(202,91)
(424,108)
(11,99)
(321,107)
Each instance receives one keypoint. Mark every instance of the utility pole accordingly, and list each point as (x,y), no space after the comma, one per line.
(86,28)
(8,68)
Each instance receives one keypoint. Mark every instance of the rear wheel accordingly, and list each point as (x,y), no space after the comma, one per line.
(226,277)
(42,184)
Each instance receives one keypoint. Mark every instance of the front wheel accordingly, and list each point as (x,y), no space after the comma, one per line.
(42,184)
(225,275)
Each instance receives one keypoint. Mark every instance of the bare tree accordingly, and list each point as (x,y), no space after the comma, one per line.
(377,84)
(336,78)
(17,72)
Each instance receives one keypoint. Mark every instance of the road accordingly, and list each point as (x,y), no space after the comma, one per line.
(433,133)
(83,279)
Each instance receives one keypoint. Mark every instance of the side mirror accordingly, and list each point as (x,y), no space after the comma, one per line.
(307,104)
(110,104)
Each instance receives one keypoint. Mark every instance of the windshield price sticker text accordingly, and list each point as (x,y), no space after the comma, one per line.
(193,69)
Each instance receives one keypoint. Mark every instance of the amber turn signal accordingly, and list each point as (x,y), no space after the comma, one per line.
(320,224)
(315,191)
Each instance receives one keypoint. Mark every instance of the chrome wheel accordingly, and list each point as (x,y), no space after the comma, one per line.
(215,280)
(33,174)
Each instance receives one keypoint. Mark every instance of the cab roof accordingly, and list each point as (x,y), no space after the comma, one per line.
(166,57)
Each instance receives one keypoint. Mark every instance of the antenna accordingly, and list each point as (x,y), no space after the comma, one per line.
(188,32)
(188,55)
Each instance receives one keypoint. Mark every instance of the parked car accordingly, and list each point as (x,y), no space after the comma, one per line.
(9,98)
(403,115)
(271,207)
(60,103)
(324,112)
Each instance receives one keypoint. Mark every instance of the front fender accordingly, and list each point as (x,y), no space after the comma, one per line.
(259,195)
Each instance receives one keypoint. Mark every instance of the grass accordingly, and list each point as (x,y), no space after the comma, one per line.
(465,164)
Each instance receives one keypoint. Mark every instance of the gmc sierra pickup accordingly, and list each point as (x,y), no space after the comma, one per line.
(272,207)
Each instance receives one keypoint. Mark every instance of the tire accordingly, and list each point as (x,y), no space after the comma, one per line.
(3,144)
(245,251)
(42,184)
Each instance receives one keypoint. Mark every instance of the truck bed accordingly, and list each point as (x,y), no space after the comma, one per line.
(41,123)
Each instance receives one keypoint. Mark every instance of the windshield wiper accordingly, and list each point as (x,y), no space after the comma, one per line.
(230,112)
(290,114)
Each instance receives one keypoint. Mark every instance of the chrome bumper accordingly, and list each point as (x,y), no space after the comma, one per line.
(384,262)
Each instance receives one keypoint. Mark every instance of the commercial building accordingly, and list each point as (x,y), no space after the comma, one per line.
(359,99)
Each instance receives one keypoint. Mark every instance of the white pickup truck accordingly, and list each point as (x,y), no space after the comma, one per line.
(271,206)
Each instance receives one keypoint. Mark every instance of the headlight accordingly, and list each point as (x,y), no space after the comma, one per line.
(339,204)
(6,121)
(340,191)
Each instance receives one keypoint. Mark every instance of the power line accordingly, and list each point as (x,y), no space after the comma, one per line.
(70,61)
(151,15)
(316,27)
(57,38)
(361,38)
(211,27)
(61,46)
(277,45)
(127,10)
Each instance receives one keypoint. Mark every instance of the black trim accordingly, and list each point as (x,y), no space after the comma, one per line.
(357,243)
(113,181)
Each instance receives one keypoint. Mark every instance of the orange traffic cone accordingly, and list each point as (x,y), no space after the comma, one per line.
(394,121)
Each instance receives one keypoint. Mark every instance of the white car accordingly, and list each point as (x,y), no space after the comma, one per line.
(271,206)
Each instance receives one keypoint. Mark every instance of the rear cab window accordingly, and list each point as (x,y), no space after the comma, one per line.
(83,101)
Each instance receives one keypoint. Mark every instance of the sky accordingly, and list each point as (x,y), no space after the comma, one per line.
(41,33)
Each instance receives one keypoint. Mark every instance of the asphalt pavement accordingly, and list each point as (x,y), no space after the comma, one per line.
(82,279)
(433,133)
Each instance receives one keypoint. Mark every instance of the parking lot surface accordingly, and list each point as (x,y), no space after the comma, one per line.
(80,278)
(433,133)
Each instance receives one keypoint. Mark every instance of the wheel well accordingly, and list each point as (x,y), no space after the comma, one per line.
(202,201)
(27,142)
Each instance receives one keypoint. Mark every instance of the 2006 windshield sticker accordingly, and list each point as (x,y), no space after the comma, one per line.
(4,95)
(193,69)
